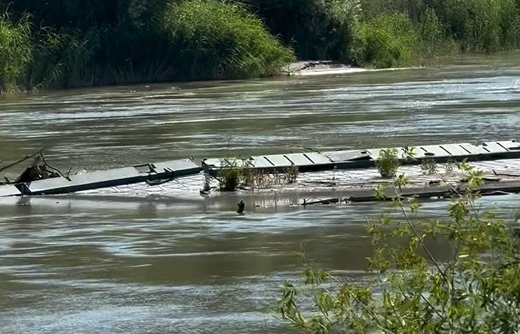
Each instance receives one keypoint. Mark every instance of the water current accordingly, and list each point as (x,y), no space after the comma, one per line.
(91,266)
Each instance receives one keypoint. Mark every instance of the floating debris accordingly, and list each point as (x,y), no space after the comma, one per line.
(437,192)
(241,206)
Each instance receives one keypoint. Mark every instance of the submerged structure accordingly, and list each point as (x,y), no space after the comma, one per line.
(354,159)
(162,172)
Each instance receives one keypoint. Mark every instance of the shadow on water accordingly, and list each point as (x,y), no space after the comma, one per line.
(106,264)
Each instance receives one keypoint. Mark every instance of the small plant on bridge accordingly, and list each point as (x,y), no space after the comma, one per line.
(258,179)
(234,174)
(429,166)
(388,162)
(230,174)
(450,165)
(475,288)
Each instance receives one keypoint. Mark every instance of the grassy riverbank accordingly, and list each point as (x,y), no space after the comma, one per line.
(61,44)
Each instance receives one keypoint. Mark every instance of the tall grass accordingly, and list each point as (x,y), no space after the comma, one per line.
(510,24)
(316,29)
(434,38)
(477,25)
(61,60)
(384,41)
(129,54)
(15,52)
(395,39)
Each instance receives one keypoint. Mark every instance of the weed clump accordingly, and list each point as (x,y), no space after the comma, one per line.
(235,174)
(429,166)
(229,175)
(387,162)
(450,165)
(292,173)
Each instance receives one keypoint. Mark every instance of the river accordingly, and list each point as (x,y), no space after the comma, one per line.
(103,267)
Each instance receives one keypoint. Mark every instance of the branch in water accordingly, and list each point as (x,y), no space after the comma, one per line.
(29,156)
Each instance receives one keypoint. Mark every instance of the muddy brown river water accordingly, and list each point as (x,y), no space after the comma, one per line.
(91,265)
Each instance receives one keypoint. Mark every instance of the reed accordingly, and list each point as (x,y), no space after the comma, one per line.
(316,29)
(384,41)
(61,60)
(476,25)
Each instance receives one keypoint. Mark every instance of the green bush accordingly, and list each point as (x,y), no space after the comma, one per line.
(387,162)
(473,289)
(230,175)
(69,14)
(217,40)
(15,52)
(445,26)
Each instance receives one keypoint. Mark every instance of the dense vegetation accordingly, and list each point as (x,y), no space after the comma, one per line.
(79,43)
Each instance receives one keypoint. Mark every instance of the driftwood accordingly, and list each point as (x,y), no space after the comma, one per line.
(39,169)
(505,174)
(486,179)
(66,176)
(27,157)
(326,201)
(159,182)
(440,191)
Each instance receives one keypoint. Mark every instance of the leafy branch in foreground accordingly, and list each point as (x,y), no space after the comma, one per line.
(473,289)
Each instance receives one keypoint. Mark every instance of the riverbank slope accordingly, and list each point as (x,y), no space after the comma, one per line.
(56,45)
